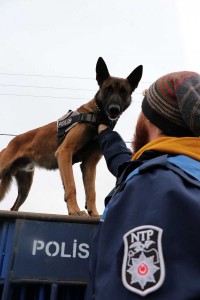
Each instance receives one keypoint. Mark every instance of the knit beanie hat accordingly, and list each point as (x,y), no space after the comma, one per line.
(172,103)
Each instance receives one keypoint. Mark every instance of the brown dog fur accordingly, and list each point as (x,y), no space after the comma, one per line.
(39,147)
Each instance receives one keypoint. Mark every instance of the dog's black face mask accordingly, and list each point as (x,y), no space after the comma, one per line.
(114,95)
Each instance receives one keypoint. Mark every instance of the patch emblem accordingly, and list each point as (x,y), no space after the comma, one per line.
(143,269)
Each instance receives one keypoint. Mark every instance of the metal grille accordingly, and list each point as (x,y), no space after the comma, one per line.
(15,246)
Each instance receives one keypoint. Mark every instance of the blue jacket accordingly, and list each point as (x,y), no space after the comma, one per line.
(148,241)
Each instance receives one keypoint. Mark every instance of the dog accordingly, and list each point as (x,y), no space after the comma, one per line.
(39,147)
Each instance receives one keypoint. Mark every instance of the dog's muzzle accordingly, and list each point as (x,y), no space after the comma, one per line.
(114,111)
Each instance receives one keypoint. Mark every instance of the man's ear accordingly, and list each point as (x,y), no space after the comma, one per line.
(134,77)
(101,71)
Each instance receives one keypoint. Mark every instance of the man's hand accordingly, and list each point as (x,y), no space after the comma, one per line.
(102,127)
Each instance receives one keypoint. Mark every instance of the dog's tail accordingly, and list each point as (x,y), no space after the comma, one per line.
(5,184)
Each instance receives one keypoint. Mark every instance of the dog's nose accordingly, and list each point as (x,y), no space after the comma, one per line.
(114,109)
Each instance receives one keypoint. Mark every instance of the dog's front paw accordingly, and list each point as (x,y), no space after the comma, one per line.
(93,214)
(80,213)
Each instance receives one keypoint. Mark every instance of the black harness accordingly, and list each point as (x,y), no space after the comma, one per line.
(72,118)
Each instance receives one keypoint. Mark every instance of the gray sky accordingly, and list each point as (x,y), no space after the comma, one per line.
(62,39)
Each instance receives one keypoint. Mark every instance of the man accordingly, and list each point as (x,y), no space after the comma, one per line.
(148,240)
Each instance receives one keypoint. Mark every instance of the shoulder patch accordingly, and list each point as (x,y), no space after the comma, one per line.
(143,269)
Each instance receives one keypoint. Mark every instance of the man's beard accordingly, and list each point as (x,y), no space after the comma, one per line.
(141,136)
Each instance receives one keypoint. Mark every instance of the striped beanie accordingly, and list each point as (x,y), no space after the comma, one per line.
(172,103)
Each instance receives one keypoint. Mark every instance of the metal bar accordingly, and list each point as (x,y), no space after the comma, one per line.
(6,290)
(4,233)
(54,291)
(85,294)
(10,215)
(41,293)
(46,281)
(10,248)
(23,293)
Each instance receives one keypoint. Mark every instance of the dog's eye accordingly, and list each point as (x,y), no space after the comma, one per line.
(108,90)
(123,92)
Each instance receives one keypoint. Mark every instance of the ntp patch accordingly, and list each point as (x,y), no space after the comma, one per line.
(143,269)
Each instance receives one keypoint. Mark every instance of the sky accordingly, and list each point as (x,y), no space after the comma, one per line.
(48,55)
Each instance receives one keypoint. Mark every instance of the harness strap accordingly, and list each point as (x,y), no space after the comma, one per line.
(71,119)
(85,118)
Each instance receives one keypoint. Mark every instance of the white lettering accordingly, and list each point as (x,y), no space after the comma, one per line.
(83,250)
(37,245)
(57,248)
(141,236)
(54,248)
(134,237)
(149,234)
(74,248)
(63,251)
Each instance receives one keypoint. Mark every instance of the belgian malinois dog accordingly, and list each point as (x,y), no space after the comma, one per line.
(39,147)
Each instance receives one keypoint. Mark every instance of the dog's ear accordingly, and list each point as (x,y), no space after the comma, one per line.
(134,77)
(101,71)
